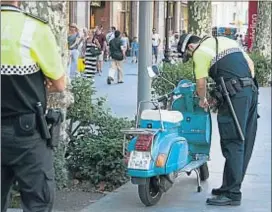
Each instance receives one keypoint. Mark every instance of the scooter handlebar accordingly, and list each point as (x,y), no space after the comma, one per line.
(164,97)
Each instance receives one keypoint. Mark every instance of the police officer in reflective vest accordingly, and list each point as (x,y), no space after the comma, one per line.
(222,59)
(31,66)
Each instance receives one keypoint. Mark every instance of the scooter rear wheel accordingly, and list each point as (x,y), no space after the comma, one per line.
(150,193)
(204,172)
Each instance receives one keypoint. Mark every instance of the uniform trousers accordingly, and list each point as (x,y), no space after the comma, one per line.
(29,161)
(237,153)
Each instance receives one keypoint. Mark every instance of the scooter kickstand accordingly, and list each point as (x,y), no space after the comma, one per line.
(199,188)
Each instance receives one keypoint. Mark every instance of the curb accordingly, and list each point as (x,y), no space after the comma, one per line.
(107,197)
(89,207)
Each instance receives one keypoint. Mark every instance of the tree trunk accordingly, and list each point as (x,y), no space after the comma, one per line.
(134,18)
(262,42)
(56,14)
(200,17)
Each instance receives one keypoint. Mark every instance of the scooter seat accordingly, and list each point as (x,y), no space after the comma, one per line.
(165,116)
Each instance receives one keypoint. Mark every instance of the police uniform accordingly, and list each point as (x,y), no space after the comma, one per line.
(233,66)
(29,53)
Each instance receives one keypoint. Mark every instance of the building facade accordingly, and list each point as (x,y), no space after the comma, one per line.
(230,14)
(124,15)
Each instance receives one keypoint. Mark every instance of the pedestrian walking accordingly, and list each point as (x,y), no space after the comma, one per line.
(31,66)
(89,55)
(134,50)
(226,63)
(117,55)
(156,41)
(74,40)
(125,44)
(103,44)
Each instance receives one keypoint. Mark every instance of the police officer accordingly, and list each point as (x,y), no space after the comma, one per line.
(30,66)
(216,58)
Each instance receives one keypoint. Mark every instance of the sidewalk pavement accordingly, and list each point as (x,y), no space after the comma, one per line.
(256,188)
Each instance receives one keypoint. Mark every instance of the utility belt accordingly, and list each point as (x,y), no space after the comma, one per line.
(233,86)
(48,125)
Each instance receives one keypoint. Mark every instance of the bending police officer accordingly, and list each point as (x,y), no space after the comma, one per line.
(219,58)
(30,66)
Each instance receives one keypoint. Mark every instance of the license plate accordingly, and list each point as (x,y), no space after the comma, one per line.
(139,160)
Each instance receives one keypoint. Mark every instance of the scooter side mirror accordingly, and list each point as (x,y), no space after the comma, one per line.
(153,71)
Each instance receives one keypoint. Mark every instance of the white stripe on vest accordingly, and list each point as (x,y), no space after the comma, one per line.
(26,39)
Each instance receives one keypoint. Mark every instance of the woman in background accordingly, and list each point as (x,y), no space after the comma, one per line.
(90,59)
(125,43)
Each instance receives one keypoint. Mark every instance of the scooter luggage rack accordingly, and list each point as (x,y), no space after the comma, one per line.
(141,131)
(137,131)
(159,109)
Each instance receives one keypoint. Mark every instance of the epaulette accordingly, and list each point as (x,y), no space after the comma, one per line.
(36,17)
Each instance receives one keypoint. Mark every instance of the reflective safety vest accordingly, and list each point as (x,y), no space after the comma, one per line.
(204,56)
(28,53)
(27,45)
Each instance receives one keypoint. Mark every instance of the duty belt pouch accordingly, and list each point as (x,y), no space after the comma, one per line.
(230,88)
(25,125)
(237,85)
(54,118)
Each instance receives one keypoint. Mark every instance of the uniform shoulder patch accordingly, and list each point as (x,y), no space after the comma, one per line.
(36,17)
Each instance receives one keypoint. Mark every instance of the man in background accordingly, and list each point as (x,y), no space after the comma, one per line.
(156,41)
(118,55)
(99,35)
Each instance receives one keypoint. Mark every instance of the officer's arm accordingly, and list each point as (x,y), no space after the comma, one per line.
(201,69)
(201,87)
(250,64)
(46,54)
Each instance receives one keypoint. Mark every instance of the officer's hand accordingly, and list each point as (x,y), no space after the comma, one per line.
(203,103)
(48,83)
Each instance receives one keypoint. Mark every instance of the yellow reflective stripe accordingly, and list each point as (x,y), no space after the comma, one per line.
(26,39)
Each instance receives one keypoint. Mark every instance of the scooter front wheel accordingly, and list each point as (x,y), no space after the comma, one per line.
(150,193)
(204,172)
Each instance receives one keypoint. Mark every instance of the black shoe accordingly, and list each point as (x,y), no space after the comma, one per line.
(217,191)
(120,82)
(109,80)
(222,200)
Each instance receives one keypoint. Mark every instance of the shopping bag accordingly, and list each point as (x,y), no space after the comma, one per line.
(80,65)
(111,73)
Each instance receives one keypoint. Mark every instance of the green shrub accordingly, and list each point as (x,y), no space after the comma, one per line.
(174,73)
(82,108)
(262,68)
(95,148)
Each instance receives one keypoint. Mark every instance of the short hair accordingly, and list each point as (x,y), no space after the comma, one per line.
(113,28)
(117,33)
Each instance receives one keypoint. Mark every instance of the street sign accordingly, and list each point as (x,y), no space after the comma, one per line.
(252,22)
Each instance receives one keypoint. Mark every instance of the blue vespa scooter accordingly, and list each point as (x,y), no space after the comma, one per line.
(167,142)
